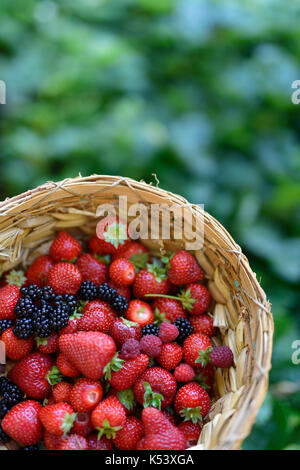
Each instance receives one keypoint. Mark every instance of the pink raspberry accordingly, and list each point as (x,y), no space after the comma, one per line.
(150,345)
(168,332)
(130,349)
(221,356)
(184,373)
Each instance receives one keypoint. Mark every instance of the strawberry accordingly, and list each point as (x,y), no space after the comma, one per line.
(89,351)
(184,373)
(16,348)
(13,277)
(193,346)
(139,312)
(168,332)
(85,395)
(129,372)
(73,442)
(161,434)
(65,247)
(192,402)
(58,419)
(47,345)
(91,269)
(22,423)
(136,253)
(123,329)
(205,376)
(64,278)
(72,326)
(61,392)
(196,298)
(203,324)
(131,432)
(109,417)
(184,268)
(121,290)
(82,425)
(126,398)
(170,355)
(151,280)
(156,387)
(112,236)
(167,309)
(52,442)
(9,296)
(66,367)
(170,414)
(37,272)
(191,431)
(97,316)
(30,374)
(98,444)
(221,356)
(122,272)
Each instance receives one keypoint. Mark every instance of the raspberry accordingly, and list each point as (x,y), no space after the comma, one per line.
(184,373)
(130,349)
(221,356)
(151,345)
(168,332)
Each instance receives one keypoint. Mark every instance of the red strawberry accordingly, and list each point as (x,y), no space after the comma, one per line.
(112,236)
(82,424)
(16,348)
(184,373)
(64,278)
(13,277)
(203,324)
(170,355)
(66,367)
(205,376)
(89,351)
(168,332)
(131,432)
(98,444)
(9,296)
(192,402)
(139,312)
(160,432)
(72,326)
(170,414)
(122,272)
(108,417)
(123,329)
(192,347)
(126,398)
(65,247)
(85,395)
(156,387)
(91,269)
(61,392)
(47,345)
(121,290)
(184,268)
(151,280)
(73,442)
(58,419)
(136,253)
(129,372)
(167,309)
(30,374)
(196,298)
(191,431)
(221,356)
(52,442)
(22,423)
(97,316)
(37,273)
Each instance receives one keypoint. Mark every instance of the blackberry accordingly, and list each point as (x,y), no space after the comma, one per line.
(5,324)
(3,436)
(41,320)
(23,328)
(184,327)
(3,384)
(25,307)
(59,317)
(32,291)
(106,293)
(68,301)
(4,408)
(150,330)
(119,303)
(12,394)
(87,291)
(47,294)
(31,448)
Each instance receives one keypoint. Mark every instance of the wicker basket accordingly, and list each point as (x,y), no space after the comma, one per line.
(240,308)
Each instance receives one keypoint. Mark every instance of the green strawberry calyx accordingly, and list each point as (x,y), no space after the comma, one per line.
(15,278)
(192,414)
(165,259)
(116,234)
(139,260)
(107,430)
(113,366)
(68,422)
(204,356)
(75,315)
(156,268)
(54,376)
(127,398)
(41,341)
(201,379)
(159,316)
(151,398)
(129,323)
(105,259)
(184,297)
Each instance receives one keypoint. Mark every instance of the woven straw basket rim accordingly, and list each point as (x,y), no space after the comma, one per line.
(240,307)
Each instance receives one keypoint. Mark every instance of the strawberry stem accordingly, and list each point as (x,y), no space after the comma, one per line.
(108,430)
(151,398)
(184,297)
(54,376)
(192,414)
(113,366)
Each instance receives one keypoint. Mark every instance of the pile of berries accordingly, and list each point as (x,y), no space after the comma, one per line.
(111,347)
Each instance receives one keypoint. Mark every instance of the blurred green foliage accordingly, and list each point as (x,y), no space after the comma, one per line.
(196,91)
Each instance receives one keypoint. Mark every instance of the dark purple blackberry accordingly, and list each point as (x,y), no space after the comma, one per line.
(184,327)
(32,291)
(47,294)
(3,436)
(25,307)
(31,448)
(3,384)
(5,324)
(150,330)
(87,291)
(106,293)
(68,301)
(23,328)
(119,303)
(4,408)
(41,320)
(12,394)
(59,317)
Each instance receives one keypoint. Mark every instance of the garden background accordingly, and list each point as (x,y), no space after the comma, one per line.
(196,91)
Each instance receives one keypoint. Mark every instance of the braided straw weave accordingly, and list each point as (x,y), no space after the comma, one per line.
(241,312)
